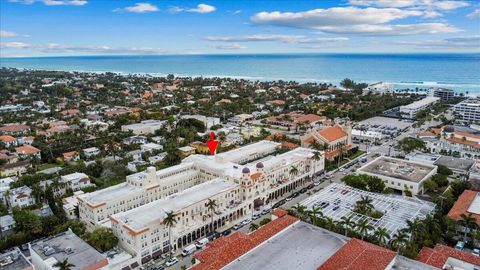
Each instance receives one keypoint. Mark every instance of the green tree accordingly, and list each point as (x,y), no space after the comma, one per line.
(363,227)
(211,206)
(253,227)
(170,221)
(382,236)
(64,265)
(264,221)
(468,222)
(314,213)
(293,171)
(27,221)
(444,170)
(347,223)
(102,239)
(410,144)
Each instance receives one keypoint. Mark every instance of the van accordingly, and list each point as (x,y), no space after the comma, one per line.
(188,250)
(201,243)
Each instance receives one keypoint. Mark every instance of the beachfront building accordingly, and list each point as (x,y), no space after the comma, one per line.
(144,127)
(237,190)
(379,88)
(411,110)
(468,110)
(399,174)
(443,93)
(335,140)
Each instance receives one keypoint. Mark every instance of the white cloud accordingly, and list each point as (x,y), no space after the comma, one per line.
(138,8)
(424,4)
(391,30)
(202,8)
(8,34)
(465,42)
(233,46)
(333,16)
(474,15)
(354,20)
(14,45)
(53,2)
(273,37)
(430,14)
(63,48)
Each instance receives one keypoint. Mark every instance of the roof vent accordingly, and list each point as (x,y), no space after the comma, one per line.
(68,250)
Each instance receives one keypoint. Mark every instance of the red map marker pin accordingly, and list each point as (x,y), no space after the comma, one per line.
(212,143)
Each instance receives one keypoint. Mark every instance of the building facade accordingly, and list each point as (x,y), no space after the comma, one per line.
(468,110)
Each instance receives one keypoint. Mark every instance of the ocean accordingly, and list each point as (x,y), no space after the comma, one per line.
(460,72)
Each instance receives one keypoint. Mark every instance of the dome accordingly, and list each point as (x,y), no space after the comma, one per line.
(259,165)
(245,170)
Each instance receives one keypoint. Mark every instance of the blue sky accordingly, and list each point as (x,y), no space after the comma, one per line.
(125,27)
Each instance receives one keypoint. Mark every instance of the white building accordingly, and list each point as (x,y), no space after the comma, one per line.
(144,127)
(379,88)
(237,189)
(76,181)
(46,252)
(411,110)
(240,119)
(149,147)
(20,197)
(468,110)
(442,93)
(184,188)
(399,174)
(207,121)
(234,138)
(4,187)
(91,152)
(70,203)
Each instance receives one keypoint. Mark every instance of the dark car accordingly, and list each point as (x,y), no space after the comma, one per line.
(226,232)
(311,186)
(303,190)
(294,195)
(278,204)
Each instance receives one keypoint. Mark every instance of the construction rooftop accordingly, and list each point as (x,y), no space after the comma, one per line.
(398,168)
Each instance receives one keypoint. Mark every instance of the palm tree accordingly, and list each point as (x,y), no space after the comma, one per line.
(363,227)
(301,210)
(293,171)
(63,265)
(399,240)
(316,157)
(211,205)
(329,223)
(414,227)
(341,149)
(253,227)
(382,236)
(170,221)
(347,223)
(314,213)
(467,221)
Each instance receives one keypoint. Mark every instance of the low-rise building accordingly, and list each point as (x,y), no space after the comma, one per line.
(187,150)
(467,203)
(20,197)
(28,151)
(14,129)
(135,140)
(76,181)
(207,121)
(150,147)
(70,204)
(70,156)
(91,152)
(14,259)
(379,88)
(45,253)
(8,141)
(444,257)
(410,111)
(15,168)
(399,174)
(144,127)
(240,119)
(7,225)
(335,139)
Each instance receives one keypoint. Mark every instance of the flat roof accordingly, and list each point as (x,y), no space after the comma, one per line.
(246,151)
(455,163)
(106,194)
(474,207)
(83,255)
(301,246)
(14,260)
(420,103)
(397,168)
(386,121)
(396,209)
(140,217)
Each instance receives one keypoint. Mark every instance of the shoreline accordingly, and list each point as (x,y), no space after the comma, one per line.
(423,87)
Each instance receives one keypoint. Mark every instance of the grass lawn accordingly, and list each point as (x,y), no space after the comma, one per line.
(47,166)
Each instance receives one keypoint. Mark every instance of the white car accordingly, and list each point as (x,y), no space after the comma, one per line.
(246,221)
(171,262)
(237,226)
(476,252)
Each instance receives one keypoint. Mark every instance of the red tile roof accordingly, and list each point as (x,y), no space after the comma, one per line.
(279,212)
(359,255)
(289,145)
(7,138)
(439,255)
(225,250)
(14,128)
(464,142)
(462,204)
(332,133)
(27,150)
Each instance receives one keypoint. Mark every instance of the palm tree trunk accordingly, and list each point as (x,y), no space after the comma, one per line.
(170,241)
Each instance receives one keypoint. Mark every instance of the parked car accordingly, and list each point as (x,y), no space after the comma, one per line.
(476,252)
(246,221)
(189,250)
(238,226)
(256,216)
(312,186)
(303,190)
(171,262)
(460,245)
(201,243)
(226,232)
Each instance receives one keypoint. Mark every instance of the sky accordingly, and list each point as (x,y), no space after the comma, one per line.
(143,27)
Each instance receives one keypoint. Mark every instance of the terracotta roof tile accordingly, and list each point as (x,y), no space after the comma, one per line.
(359,255)
(224,250)
(439,255)
(7,138)
(27,150)
(332,133)
(462,204)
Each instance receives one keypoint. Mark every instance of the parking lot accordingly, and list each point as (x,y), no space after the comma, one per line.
(337,201)
(388,127)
